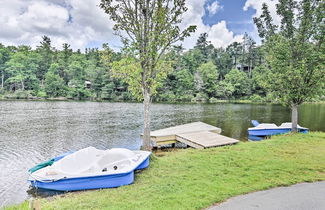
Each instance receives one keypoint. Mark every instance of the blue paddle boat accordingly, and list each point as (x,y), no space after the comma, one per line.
(89,168)
(260,131)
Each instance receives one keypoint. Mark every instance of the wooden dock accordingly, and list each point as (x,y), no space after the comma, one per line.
(198,135)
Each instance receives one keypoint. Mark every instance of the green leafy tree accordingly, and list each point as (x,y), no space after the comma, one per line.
(260,80)
(77,67)
(237,83)
(235,50)
(191,60)
(209,74)
(185,82)
(95,72)
(222,59)
(249,53)
(151,28)
(204,46)
(64,61)
(21,69)
(54,84)
(45,52)
(295,52)
(264,23)
(4,57)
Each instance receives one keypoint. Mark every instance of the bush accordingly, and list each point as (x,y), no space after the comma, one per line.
(166,96)
(185,98)
(20,94)
(270,97)
(214,100)
(41,94)
(200,97)
(2,93)
(256,98)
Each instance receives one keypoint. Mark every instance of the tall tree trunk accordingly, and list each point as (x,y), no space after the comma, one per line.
(235,61)
(250,68)
(42,83)
(146,133)
(294,117)
(2,78)
(22,85)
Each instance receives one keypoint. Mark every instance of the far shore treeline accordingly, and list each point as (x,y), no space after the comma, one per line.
(202,74)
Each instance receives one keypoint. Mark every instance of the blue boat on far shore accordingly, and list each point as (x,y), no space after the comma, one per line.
(260,131)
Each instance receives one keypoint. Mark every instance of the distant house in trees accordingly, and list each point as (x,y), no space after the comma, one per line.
(87,84)
(244,68)
(121,88)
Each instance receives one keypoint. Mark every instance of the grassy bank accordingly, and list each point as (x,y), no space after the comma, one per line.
(194,179)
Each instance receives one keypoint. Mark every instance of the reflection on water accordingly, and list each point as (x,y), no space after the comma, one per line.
(31,132)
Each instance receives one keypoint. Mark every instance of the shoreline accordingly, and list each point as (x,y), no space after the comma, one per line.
(235,101)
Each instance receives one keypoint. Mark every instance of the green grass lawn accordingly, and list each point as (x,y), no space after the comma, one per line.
(194,179)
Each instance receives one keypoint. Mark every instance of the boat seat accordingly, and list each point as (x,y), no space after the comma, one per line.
(80,161)
(115,157)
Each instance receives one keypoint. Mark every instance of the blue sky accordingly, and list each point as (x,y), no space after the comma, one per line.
(238,20)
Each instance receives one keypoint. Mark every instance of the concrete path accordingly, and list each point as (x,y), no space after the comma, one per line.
(305,196)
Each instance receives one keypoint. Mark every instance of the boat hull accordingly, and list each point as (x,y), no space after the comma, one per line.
(271,132)
(91,182)
(260,131)
(144,164)
(86,183)
(258,135)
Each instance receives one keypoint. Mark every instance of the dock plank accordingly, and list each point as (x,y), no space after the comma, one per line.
(205,139)
(186,128)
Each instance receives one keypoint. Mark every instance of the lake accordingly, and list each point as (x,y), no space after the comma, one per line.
(32,132)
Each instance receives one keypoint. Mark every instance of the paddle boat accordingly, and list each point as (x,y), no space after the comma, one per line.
(89,168)
(260,131)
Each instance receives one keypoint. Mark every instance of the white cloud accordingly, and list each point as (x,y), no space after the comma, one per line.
(77,23)
(80,23)
(214,8)
(218,34)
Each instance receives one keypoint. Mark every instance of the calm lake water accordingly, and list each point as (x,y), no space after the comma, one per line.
(32,132)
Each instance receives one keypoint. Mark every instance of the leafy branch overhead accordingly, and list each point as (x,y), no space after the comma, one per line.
(149,28)
(129,71)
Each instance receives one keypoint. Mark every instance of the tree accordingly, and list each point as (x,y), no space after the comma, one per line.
(185,82)
(54,84)
(237,83)
(151,27)
(295,52)
(21,69)
(264,23)
(95,72)
(222,59)
(204,46)
(235,50)
(64,61)
(45,51)
(4,57)
(259,80)
(191,60)
(248,54)
(209,74)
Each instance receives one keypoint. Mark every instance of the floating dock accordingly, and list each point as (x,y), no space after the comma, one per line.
(198,135)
